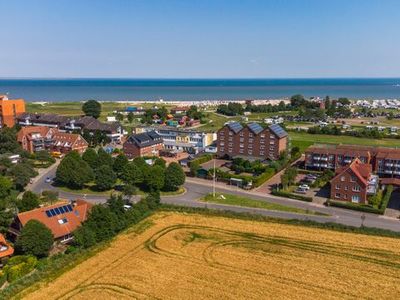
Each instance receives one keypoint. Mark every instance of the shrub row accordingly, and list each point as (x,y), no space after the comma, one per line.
(291,196)
(302,171)
(19,266)
(202,159)
(256,180)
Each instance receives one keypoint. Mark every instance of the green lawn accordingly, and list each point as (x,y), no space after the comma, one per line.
(302,138)
(247,202)
(216,122)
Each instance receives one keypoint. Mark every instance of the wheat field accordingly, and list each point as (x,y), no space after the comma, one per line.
(191,256)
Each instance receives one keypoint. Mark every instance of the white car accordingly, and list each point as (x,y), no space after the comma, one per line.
(304,187)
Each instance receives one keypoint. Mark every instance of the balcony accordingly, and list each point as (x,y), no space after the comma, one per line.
(316,165)
(389,164)
(347,160)
(316,157)
(388,172)
(324,158)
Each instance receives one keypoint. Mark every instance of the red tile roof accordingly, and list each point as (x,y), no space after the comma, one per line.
(28,131)
(74,218)
(390,181)
(360,170)
(5,248)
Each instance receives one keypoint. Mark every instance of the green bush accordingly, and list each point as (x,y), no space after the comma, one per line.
(3,278)
(353,206)
(291,196)
(19,266)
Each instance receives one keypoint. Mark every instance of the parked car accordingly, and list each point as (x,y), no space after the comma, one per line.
(48,180)
(311,176)
(300,191)
(304,187)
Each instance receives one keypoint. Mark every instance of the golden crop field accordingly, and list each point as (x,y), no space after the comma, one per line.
(192,256)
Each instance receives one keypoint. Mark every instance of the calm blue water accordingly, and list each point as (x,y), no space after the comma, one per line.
(196,89)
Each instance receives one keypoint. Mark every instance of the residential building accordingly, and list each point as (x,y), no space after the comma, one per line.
(77,124)
(354,182)
(143,144)
(61,218)
(180,139)
(9,110)
(252,140)
(37,138)
(384,161)
(5,248)
(178,110)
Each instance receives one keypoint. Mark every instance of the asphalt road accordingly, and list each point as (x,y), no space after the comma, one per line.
(196,188)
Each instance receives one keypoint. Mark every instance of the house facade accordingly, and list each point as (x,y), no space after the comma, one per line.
(251,141)
(38,138)
(354,183)
(143,144)
(9,110)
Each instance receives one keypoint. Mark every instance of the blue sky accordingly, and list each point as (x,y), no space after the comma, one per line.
(200,39)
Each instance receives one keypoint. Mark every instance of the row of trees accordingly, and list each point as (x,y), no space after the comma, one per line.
(230,109)
(334,130)
(75,171)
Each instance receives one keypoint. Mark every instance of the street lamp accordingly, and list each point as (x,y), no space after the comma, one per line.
(362,220)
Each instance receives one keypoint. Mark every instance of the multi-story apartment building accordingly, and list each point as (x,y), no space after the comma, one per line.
(384,161)
(37,138)
(78,124)
(143,144)
(9,110)
(354,182)
(179,139)
(251,141)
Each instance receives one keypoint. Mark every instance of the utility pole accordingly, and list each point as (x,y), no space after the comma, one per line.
(214,181)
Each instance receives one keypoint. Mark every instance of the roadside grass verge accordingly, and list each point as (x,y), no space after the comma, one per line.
(229,199)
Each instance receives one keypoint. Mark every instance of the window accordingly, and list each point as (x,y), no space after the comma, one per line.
(250,140)
(262,141)
(271,137)
(262,153)
(230,144)
(250,152)
(241,140)
(250,134)
(222,143)
(222,138)
(337,195)
(241,150)
(221,133)
(230,139)
(272,142)
(250,146)
(230,133)
(352,179)
(346,187)
(221,149)
(230,149)
(262,136)
(271,148)
(241,146)
(355,199)
(356,188)
(342,178)
(337,187)
(262,147)
(241,134)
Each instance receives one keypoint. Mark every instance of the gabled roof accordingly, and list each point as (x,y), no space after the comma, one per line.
(255,128)
(278,131)
(360,170)
(235,126)
(67,139)
(145,139)
(28,131)
(61,218)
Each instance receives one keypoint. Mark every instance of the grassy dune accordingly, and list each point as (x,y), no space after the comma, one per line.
(193,256)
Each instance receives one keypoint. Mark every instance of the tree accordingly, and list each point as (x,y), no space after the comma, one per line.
(119,163)
(174,177)
(90,156)
(155,178)
(132,174)
(103,158)
(116,205)
(92,108)
(119,117)
(8,141)
(5,186)
(29,201)
(73,171)
(297,100)
(84,237)
(49,196)
(105,178)
(35,239)
(160,162)
(129,191)
(102,222)
(130,117)
(44,156)
(21,174)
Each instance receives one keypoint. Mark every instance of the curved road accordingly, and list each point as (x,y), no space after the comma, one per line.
(196,188)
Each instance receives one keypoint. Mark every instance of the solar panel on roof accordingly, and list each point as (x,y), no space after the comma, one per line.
(52,212)
(278,130)
(69,206)
(48,213)
(235,126)
(57,210)
(61,208)
(255,127)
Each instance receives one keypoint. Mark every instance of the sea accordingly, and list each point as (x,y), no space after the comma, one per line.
(106,89)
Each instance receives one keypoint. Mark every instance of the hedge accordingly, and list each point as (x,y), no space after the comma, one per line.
(291,196)
(302,171)
(202,159)
(363,207)
(256,180)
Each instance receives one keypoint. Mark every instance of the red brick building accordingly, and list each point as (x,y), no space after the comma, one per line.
(384,161)
(354,182)
(251,141)
(143,144)
(37,138)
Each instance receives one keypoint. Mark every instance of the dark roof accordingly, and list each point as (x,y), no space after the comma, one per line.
(44,118)
(278,130)
(92,124)
(255,128)
(145,139)
(235,126)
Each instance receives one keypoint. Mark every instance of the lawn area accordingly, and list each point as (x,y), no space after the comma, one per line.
(229,199)
(216,121)
(301,138)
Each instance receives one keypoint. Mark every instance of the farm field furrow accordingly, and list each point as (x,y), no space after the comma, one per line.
(193,256)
